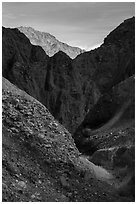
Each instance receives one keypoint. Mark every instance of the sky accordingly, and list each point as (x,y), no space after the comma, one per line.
(82,24)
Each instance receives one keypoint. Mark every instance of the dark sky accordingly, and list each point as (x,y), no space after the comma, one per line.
(82,24)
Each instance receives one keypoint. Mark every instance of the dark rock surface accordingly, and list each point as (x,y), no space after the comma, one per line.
(113,61)
(53,81)
(22,63)
(108,134)
(40,160)
(111,121)
(121,161)
(49,43)
(118,156)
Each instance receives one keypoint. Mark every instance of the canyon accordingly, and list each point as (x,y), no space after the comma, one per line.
(72,117)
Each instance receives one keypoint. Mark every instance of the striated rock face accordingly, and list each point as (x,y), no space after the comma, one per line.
(17,48)
(23,63)
(49,43)
(62,92)
(69,88)
(40,160)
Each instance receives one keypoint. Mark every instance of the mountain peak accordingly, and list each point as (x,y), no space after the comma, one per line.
(62,54)
(49,42)
(123,32)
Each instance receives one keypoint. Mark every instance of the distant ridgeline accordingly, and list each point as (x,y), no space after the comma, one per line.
(49,43)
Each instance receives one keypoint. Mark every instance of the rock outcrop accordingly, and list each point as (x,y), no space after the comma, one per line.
(49,43)
(121,161)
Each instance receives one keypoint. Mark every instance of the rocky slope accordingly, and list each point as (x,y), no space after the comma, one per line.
(40,160)
(69,88)
(49,43)
(115,110)
(107,134)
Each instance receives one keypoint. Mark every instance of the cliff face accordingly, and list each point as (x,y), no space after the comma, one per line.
(69,88)
(113,61)
(53,81)
(22,62)
(49,43)
(113,70)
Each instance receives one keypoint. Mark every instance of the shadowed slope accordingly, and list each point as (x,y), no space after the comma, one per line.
(115,110)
